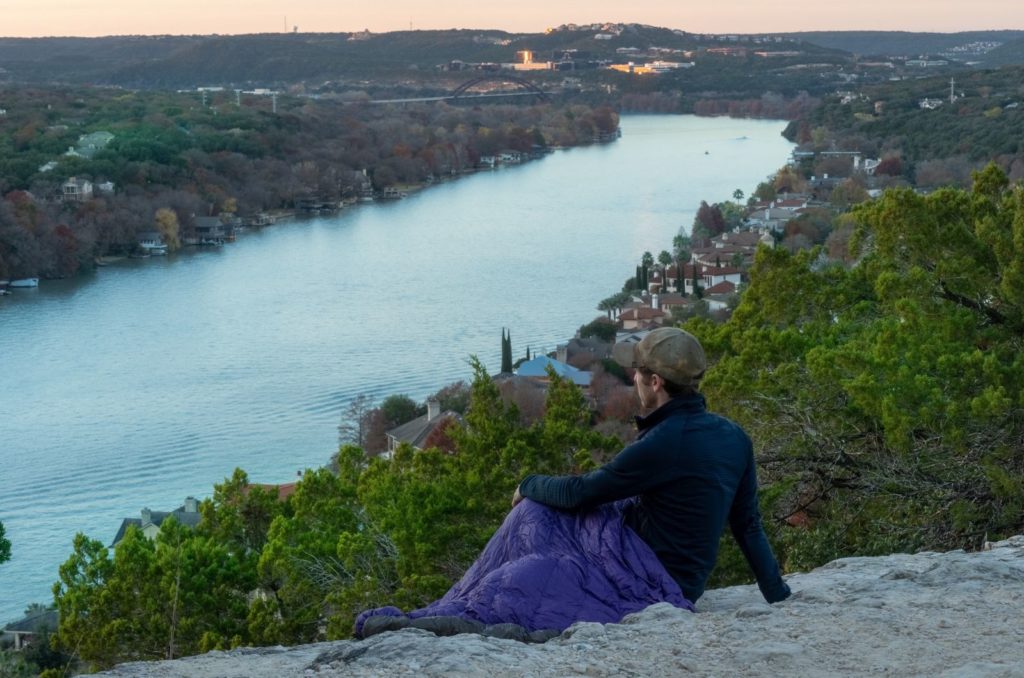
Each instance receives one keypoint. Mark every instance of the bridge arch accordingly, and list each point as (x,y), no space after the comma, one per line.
(521,83)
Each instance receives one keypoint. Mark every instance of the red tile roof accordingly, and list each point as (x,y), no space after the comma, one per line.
(724,287)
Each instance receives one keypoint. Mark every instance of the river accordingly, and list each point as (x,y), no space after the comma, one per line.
(151,380)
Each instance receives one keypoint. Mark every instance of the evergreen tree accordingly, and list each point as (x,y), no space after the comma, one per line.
(885,398)
(5,546)
(506,351)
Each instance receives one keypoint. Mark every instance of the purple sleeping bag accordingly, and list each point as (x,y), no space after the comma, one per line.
(545,569)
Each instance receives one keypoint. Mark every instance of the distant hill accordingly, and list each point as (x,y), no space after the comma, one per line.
(185,61)
(902,43)
(368,60)
(1009,54)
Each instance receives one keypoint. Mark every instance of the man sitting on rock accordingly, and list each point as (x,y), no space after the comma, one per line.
(644,528)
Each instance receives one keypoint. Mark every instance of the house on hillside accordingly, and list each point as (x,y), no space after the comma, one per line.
(641,317)
(719,295)
(417,431)
(589,348)
(283,491)
(772,218)
(90,144)
(209,231)
(630,336)
(149,521)
(537,368)
(76,190)
(713,275)
(23,632)
(668,301)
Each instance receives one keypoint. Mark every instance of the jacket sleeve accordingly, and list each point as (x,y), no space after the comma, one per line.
(748,530)
(633,471)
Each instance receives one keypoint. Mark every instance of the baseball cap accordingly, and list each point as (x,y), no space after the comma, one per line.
(673,354)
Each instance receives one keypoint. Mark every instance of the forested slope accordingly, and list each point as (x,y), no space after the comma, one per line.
(170,151)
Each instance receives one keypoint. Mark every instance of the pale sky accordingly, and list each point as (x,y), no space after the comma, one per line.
(32,18)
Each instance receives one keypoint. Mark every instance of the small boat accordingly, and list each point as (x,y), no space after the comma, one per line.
(25,282)
(154,249)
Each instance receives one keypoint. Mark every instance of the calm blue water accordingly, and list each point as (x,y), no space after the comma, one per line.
(153,379)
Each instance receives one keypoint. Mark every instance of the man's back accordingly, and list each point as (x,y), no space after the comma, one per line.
(691,471)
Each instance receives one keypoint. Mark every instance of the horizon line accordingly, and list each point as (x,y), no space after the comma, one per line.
(498,30)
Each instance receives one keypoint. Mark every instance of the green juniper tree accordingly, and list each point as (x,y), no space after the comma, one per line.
(5,545)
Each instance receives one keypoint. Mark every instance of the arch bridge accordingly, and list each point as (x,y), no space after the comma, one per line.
(527,87)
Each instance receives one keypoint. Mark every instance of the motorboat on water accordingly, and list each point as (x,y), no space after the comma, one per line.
(25,282)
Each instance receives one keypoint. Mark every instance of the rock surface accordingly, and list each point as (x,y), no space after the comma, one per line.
(929,614)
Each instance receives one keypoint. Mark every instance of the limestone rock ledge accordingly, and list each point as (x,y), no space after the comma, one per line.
(927,614)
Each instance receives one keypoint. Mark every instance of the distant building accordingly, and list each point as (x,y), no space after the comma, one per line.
(417,431)
(90,144)
(641,317)
(634,69)
(537,368)
(728,51)
(149,521)
(590,347)
(283,491)
(23,632)
(76,190)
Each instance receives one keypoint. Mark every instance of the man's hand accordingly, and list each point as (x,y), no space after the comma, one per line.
(516,498)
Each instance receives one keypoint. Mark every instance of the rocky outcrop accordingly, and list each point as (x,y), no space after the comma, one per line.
(934,614)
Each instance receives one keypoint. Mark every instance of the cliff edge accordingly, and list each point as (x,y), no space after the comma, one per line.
(935,614)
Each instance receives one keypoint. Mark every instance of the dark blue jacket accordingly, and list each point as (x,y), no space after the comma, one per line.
(691,471)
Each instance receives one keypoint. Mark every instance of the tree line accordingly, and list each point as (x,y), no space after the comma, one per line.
(170,152)
(365,532)
(924,147)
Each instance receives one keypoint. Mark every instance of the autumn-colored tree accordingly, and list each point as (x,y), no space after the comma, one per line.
(166,221)
(890,166)
(708,223)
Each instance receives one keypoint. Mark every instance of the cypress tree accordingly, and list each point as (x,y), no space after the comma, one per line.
(506,351)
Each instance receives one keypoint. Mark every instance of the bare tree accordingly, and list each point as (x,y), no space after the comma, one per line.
(354,428)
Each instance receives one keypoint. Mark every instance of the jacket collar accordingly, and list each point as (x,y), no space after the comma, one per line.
(692,404)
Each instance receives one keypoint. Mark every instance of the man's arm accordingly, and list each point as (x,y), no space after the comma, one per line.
(633,471)
(747,529)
